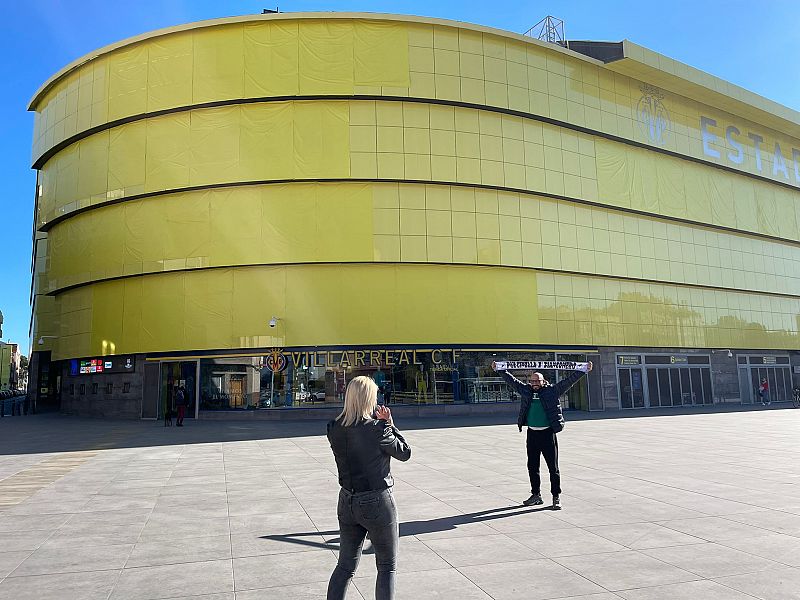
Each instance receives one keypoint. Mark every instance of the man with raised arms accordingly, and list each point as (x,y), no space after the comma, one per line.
(541,412)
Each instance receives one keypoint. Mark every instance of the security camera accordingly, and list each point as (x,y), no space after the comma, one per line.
(273,322)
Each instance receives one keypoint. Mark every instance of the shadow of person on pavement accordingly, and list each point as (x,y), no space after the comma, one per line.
(409,528)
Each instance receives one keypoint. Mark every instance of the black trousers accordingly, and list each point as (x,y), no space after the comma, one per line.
(543,442)
(359,514)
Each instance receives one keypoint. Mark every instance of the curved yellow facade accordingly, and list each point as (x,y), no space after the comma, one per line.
(390,180)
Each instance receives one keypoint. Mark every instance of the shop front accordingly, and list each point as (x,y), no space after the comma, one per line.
(303,378)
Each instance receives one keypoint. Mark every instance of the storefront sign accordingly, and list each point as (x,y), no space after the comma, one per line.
(629,360)
(94,366)
(679,360)
(276,361)
(279,359)
(783,160)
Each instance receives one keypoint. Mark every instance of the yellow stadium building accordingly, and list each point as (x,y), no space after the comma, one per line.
(260,208)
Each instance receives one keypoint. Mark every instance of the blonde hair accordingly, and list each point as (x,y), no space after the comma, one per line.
(360,400)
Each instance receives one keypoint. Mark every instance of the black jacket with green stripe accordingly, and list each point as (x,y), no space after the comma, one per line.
(548,396)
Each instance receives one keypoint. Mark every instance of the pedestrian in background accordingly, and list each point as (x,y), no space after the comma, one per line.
(181,402)
(364,440)
(763,391)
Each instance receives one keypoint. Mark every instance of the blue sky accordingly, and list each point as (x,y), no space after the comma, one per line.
(752,44)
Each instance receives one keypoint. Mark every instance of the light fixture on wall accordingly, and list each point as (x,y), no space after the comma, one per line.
(730,354)
(44,337)
(273,322)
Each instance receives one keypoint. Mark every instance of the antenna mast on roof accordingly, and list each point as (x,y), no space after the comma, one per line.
(550,29)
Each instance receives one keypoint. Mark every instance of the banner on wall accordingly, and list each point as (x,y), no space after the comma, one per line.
(541,365)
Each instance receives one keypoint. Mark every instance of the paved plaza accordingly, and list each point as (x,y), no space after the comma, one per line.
(655,507)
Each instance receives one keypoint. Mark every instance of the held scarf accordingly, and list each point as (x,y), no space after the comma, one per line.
(543,365)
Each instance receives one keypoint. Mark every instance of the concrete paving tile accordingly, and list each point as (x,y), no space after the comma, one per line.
(52,558)
(711,560)
(32,522)
(89,534)
(11,560)
(12,541)
(118,503)
(430,585)
(252,543)
(165,528)
(774,546)
(413,556)
(707,590)
(167,581)
(714,529)
(282,570)
(566,542)
(92,585)
(529,580)
(772,520)
(279,523)
(225,596)
(94,520)
(194,549)
(47,508)
(305,591)
(486,549)
(624,570)
(637,536)
(775,584)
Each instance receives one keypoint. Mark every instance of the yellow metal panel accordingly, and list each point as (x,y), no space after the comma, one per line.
(163,313)
(218,63)
(271,60)
(380,53)
(67,178)
(326,57)
(215,135)
(107,318)
(126,159)
(266,140)
(169,71)
(208,315)
(93,166)
(127,82)
(168,158)
(321,139)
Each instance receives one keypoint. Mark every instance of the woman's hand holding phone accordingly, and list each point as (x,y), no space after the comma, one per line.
(383,413)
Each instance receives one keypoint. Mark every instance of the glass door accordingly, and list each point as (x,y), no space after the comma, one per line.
(631,387)
(174,375)
(577,397)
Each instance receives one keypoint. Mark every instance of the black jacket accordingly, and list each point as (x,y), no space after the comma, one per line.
(548,395)
(363,452)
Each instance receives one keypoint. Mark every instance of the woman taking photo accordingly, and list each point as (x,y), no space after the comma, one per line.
(363,439)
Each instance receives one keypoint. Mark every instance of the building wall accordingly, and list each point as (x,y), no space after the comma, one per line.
(480,187)
(5,366)
(104,394)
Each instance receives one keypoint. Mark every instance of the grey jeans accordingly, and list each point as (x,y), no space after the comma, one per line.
(372,513)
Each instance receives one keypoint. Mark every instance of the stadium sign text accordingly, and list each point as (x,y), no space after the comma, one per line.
(785,162)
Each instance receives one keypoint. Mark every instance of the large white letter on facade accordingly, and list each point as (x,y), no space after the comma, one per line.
(708,137)
(778,164)
(757,139)
(739,156)
(796,159)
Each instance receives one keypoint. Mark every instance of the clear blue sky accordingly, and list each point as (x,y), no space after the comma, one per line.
(752,44)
